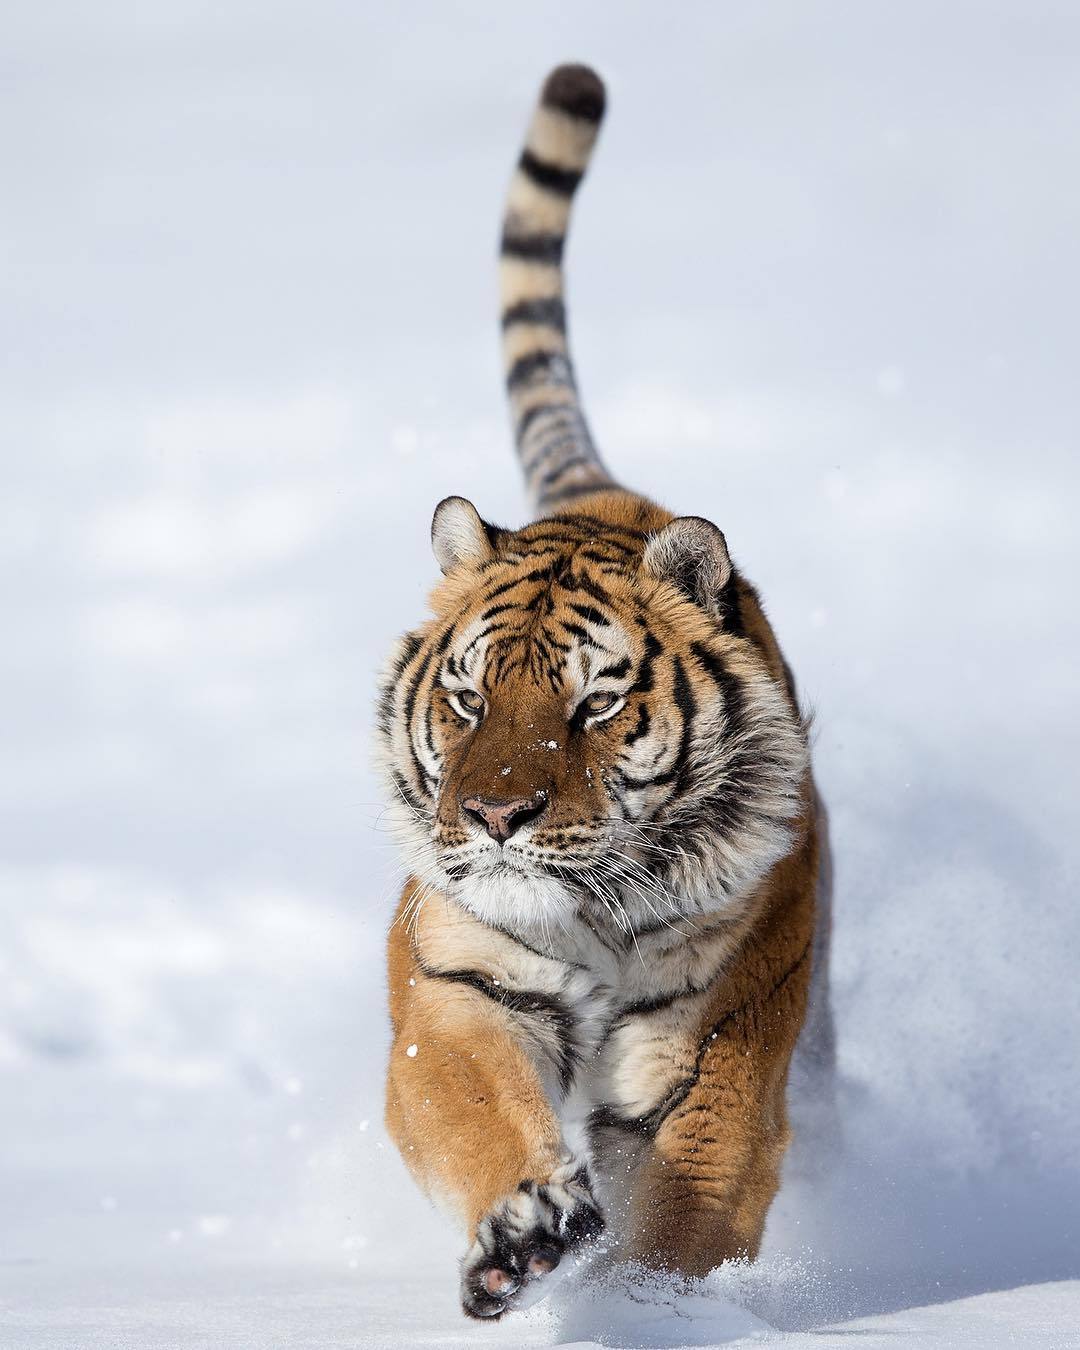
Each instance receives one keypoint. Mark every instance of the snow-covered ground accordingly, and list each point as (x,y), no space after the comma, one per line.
(824,289)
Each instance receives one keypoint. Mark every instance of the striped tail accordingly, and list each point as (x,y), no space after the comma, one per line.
(557,454)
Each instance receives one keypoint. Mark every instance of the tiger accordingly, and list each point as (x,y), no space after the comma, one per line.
(596,763)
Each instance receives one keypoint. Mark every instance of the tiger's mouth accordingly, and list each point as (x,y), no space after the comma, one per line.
(515,865)
(514,862)
(504,867)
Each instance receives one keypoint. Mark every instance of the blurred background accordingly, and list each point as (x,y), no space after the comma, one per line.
(823,287)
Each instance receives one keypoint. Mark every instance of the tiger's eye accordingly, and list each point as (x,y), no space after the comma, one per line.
(600,702)
(471,701)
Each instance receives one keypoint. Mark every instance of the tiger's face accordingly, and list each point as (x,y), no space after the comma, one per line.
(585,731)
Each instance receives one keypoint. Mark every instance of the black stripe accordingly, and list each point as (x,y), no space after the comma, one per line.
(591,615)
(405,788)
(548,442)
(633,784)
(644,1006)
(581,519)
(581,581)
(601,933)
(536,439)
(618,670)
(789,685)
(538,574)
(581,490)
(550,312)
(546,175)
(651,929)
(643,723)
(610,566)
(411,646)
(547,541)
(546,1007)
(554,367)
(683,698)
(513,629)
(411,696)
(547,956)
(384,714)
(529,416)
(645,681)
(412,692)
(731,607)
(564,466)
(687,705)
(728,684)
(495,534)
(583,635)
(429,735)
(542,247)
(553,641)
(607,550)
(611,1118)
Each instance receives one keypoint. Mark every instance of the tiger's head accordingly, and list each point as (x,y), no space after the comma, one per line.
(595,724)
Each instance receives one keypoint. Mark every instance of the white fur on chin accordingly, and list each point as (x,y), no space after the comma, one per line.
(516,900)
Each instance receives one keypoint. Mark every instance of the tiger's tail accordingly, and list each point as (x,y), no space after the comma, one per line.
(557,454)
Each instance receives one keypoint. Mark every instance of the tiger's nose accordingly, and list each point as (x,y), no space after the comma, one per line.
(502,819)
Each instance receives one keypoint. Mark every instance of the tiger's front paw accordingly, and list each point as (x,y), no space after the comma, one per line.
(525,1237)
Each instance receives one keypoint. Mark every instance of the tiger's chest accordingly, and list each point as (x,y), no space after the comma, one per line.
(611,1025)
(635,1018)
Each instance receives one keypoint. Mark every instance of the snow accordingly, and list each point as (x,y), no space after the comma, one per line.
(303,1310)
(823,286)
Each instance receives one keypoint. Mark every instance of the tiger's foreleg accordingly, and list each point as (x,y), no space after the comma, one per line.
(469,1114)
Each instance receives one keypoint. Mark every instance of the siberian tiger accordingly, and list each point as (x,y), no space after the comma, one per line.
(596,761)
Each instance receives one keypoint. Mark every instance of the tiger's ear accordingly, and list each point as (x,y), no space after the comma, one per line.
(458,535)
(692,554)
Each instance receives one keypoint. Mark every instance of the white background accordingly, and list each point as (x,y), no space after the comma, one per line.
(824,289)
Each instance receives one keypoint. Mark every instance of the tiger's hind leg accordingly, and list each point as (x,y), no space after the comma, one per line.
(702,1198)
(707,1159)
